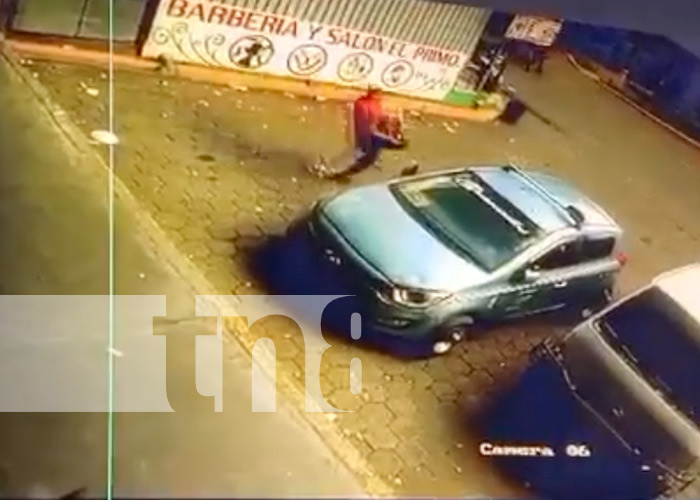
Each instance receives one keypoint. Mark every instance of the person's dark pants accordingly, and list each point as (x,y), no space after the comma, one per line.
(535,58)
(370,149)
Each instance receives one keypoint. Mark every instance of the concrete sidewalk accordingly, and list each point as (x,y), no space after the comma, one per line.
(53,215)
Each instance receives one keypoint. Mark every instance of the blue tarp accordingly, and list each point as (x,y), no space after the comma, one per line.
(669,73)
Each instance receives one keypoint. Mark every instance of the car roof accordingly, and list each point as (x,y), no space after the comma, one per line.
(569,195)
(544,198)
(683,286)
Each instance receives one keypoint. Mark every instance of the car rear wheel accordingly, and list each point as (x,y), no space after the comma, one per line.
(598,303)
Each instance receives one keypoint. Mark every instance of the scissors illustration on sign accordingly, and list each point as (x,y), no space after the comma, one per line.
(307,59)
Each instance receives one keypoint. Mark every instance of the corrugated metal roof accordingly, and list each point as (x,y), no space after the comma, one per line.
(426,22)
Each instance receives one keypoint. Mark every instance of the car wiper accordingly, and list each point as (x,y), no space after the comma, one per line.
(669,395)
(620,344)
(474,187)
(628,354)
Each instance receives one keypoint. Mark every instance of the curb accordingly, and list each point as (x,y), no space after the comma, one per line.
(159,244)
(595,77)
(221,76)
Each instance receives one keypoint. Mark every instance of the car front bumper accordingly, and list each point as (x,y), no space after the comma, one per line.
(359,279)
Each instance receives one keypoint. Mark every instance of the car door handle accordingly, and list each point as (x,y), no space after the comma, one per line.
(561,284)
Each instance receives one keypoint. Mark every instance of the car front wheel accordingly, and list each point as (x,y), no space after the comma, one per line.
(451,334)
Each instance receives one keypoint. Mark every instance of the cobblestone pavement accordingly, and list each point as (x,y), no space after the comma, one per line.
(221,169)
(54,220)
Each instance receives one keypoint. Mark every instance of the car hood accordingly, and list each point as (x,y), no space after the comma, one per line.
(373,222)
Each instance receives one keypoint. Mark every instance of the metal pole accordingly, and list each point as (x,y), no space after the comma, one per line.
(148,13)
(81,19)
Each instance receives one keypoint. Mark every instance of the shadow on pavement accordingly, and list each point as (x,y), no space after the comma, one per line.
(288,265)
(247,150)
(537,410)
(251,151)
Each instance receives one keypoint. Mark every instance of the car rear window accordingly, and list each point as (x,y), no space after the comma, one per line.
(662,342)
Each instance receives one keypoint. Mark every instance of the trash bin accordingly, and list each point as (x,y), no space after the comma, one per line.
(515,109)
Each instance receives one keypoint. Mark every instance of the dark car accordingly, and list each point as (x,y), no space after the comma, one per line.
(617,400)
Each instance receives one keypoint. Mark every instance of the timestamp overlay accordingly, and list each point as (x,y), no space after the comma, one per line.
(572,450)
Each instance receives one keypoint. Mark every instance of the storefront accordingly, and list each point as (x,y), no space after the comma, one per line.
(411,47)
(79,19)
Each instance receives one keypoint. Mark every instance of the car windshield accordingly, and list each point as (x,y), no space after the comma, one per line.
(661,342)
(469,217)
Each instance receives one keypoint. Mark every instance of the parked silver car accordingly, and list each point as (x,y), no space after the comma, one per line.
(430,255)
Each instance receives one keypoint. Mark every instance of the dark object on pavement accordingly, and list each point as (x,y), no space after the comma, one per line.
(515,109)
(206,157)
(166,65)
(408,171)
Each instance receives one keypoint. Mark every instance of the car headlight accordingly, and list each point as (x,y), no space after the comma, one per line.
(411,297)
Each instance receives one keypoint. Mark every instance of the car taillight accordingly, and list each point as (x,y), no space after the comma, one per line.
(622,258)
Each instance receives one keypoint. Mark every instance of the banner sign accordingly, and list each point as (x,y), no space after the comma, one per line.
(538,30)
(213,34)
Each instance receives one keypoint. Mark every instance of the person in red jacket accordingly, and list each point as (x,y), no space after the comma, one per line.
(367,115)
(373,131)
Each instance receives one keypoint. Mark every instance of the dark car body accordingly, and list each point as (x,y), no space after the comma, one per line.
(623,388)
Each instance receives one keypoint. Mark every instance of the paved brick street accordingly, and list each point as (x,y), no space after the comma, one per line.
(55,226)
(221,169)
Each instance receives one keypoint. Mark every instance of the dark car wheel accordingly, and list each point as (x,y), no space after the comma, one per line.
(597,303)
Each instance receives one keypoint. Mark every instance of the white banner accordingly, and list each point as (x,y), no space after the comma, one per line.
(538,30)
(210,33)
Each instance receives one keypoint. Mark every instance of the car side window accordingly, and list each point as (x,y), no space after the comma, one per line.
(593,249)
(565,255)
